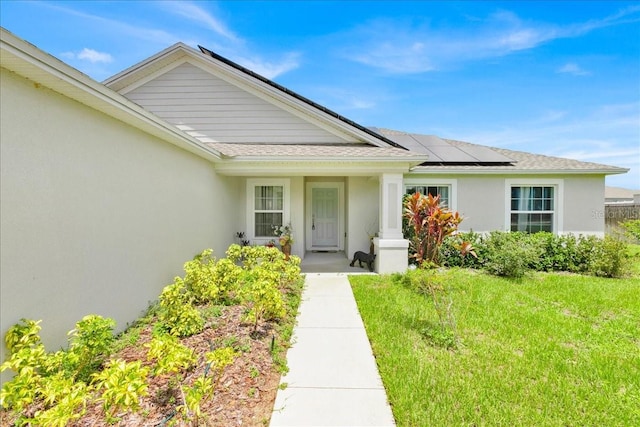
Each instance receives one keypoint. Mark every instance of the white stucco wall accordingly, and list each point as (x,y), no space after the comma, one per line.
(584,205)
(481,200)
(96,216)
(481,203)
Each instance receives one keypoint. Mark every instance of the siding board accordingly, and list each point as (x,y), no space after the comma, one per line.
(192,97)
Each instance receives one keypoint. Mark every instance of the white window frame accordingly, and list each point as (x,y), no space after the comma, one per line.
(558,199)
(436,182)
(251,189)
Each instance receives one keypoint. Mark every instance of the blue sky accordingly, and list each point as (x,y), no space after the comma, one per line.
(555,78)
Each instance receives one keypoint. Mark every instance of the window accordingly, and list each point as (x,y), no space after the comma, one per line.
(267,206)
(268,209)
(443,190)
(532,208)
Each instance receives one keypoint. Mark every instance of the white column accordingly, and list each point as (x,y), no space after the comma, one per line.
(392,250)
(391,206)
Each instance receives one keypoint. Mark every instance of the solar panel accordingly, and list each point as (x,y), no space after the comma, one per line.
(441,151)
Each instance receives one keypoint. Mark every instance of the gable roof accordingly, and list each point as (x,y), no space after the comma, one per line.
(143,72)
(518,161)
(30,62)
(313,104)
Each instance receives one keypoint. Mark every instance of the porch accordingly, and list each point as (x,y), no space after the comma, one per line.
(330,262)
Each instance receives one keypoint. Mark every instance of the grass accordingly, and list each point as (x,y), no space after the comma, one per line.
(551,349)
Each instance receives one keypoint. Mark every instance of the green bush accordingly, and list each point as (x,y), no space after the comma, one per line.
(450,255)
(632,228)
(177,314)
(609,258)
(510,254)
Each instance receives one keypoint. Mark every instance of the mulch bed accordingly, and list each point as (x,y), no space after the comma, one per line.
(245,394)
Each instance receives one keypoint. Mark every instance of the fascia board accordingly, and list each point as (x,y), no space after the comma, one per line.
(496,171)
(32,63)
(309,168)
(125,77)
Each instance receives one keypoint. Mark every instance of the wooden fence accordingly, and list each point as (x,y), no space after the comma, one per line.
(616,214)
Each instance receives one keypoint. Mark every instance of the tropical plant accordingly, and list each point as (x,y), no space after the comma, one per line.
(122,385)
(177,314)
(430,224)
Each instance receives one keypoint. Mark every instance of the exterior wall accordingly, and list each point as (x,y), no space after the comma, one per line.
(481,203)
(199,102)
(481,200)
(362,213)
(96,216)
(584,205)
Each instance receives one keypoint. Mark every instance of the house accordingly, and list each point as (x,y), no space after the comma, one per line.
(107,188)
(618,195)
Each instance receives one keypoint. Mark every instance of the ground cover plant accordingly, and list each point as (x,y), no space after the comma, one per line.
(546,349)
(210,352)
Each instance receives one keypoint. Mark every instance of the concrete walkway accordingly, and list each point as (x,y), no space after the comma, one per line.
(333,379)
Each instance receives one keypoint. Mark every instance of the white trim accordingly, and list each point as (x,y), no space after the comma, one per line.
(558,199)
(488,170)
(428,181)
(252,183)
(309,212)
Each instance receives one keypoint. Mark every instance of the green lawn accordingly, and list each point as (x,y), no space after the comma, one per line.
(552,349)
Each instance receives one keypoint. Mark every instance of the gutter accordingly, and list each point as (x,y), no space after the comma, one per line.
(494,171)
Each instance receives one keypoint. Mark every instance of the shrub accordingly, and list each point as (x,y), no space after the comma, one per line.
(177,314)
(430,224)
(91,342)
(200,277)
(509,254)
(451,255)
(170,355)
(609,258)
(122,385)
(49,382)
(632,228)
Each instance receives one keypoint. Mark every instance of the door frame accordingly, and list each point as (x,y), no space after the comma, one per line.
(309,212)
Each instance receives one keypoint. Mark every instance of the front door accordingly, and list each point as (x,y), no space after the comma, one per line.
(324,215)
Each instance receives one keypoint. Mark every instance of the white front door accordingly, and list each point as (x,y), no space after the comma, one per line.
(324,215)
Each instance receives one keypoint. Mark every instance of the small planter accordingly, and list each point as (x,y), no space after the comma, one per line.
(285,245)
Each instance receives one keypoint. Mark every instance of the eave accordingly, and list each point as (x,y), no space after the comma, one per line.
(26,60)
(502,171)
(311,167)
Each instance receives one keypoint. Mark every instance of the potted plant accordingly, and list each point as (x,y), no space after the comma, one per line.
(285,238)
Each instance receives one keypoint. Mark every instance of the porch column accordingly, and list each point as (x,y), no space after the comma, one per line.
(391,248)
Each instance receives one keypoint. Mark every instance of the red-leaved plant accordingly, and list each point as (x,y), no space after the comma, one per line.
(431,224)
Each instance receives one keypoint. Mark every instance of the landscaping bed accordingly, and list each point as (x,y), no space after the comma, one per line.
(211,352)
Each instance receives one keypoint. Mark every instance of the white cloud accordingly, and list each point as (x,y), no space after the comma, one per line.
(195,13)
(572,68)
(111,26)
(271,70)
(89,55)
(94,56)
(414,47)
